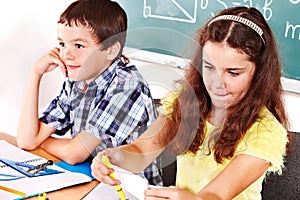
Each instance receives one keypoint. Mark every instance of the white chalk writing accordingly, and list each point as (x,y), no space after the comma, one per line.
(291,29)
(295,1)
(265,7)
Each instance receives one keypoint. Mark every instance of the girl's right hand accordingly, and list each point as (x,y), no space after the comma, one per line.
(49,62)
(100,171)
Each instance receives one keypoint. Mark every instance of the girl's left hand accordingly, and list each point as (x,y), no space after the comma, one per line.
(172,192)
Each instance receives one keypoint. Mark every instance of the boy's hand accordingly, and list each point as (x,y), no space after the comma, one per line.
(49,62)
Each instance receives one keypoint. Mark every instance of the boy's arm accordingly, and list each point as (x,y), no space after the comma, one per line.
(118,109)
(31,132)
(74,150)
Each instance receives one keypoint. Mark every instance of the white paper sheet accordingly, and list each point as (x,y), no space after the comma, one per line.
(133,186)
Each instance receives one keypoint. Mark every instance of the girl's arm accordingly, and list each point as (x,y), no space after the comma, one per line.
(236,177)
(145,149)
(133,157)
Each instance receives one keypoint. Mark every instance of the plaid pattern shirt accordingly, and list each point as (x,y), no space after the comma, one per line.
(116,107)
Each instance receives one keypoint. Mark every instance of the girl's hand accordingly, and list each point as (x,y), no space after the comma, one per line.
(100,171)
(171,192)
(49,62)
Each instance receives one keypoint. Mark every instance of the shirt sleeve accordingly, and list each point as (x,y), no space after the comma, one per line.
(167,103)
(57,113)
(266,139)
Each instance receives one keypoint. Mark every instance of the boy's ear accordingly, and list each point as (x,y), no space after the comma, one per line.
(113,51)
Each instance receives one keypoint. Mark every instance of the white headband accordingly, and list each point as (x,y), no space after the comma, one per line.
(242,20)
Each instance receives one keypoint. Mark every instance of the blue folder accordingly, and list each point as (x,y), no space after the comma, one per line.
(84,168)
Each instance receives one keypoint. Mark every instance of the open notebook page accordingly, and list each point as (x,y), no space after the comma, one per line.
(33,185)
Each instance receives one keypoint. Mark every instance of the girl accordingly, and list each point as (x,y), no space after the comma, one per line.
(226,121)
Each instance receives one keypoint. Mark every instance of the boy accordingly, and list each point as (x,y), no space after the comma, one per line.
(103,102)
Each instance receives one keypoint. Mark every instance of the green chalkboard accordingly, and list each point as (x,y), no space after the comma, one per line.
(168,26)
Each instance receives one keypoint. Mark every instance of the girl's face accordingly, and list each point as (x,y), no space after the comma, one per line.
(80,52)
(227,74)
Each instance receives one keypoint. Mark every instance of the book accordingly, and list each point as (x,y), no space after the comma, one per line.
(133,186)
(32,186)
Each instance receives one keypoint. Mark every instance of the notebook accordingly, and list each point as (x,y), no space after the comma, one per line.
(133,186)
(34,185)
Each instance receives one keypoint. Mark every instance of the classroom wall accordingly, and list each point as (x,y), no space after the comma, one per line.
(28,31)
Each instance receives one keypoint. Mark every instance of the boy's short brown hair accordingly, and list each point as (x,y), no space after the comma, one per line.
(106,19)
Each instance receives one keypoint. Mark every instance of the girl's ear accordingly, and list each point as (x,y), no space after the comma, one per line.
(113,51)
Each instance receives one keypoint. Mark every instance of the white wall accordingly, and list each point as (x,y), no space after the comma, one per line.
(28,31)
(292,102)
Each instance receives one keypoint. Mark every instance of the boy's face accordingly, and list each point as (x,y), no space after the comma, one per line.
(80,52)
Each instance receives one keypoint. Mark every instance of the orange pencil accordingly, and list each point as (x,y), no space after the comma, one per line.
(12,190)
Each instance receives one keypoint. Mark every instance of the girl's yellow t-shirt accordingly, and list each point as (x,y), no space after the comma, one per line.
(265,139)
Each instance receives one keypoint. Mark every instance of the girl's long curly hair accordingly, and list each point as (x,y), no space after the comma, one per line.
(190,111)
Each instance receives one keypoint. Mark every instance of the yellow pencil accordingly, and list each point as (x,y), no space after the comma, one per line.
(120,191)
(42,196)
(12,190)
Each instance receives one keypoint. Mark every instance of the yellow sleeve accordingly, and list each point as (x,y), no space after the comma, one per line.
(266,139)
(167,103)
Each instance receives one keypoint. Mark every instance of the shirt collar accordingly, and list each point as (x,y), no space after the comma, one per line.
(102,78)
